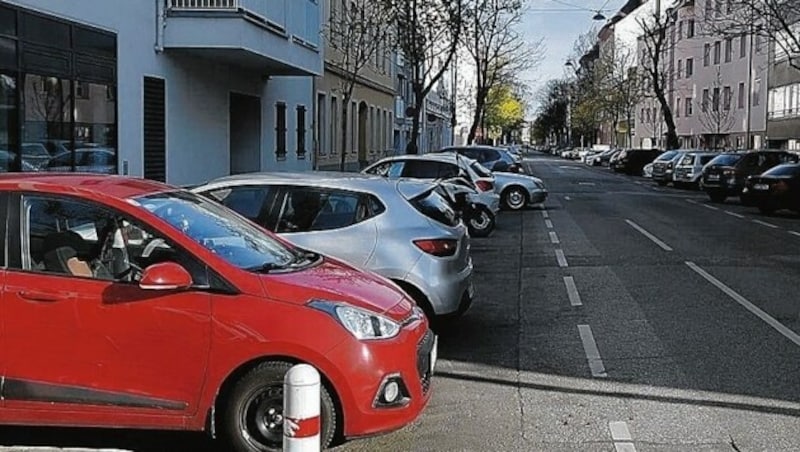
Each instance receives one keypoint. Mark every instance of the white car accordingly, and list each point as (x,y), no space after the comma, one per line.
(516,190)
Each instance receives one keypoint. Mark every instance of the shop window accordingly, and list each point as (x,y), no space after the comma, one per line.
(8,21)
(8,53)
(95,43)
(8,122)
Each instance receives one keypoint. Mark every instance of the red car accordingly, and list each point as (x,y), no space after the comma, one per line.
(129,303)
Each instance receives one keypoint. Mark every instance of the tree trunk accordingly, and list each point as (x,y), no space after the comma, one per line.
(672,135)
(480,105)
(345,107)
(412,147)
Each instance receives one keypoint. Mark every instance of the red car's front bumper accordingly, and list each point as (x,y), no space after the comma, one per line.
(366,368)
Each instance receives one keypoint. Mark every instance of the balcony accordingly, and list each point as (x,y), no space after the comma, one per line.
(275,37)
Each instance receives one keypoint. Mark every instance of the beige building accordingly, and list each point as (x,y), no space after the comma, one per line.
(370,115)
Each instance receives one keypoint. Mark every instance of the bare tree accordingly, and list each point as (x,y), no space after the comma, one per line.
(496,49)
(716,112)
(776,21)
(620,86)
(428,33)
(357,34)
(656,44)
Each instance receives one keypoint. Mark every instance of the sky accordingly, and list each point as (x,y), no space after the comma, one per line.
(559,23)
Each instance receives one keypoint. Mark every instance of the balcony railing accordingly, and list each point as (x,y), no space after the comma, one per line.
(299,18)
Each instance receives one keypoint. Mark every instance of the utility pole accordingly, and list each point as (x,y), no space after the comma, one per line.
(749,84)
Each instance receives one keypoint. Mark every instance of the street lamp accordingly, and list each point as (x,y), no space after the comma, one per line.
(599,16)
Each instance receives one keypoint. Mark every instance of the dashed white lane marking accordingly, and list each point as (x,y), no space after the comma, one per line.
(572,291)
(692,201)
(624,447)
(619,431)
(709,206)
(548,223)
(650,236)
(545,214)
(562,260)
(734,214)
(567,198)
(778,326)
(795,233)
(586,183)
(554,238)
(592,353)
(764,223)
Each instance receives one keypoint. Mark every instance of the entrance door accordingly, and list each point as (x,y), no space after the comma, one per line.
(245,133)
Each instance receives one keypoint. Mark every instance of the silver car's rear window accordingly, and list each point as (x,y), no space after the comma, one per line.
(434,206)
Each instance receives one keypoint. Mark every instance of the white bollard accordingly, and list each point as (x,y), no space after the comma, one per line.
(301,413)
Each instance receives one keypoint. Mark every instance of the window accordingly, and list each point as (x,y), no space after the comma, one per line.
(729,7)
(790,100)
(742,46)
(690,28)
(680,30)
(717,49)
(680,69)
(709,8)
(9,130)
(704,105)
(728,49)
(425,169)
(759,43)
(82,239)
(250,201)
(677,108)
(715,100)
(334,125)
(154,125)
(689,67)
(726,98)
(321,125)
(706,54)
(304,209)
(740,102)
(756,92)
(688,106)
(718,7)
(280,131)
(301,131)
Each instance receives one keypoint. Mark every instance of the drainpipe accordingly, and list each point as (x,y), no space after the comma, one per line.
(161,24)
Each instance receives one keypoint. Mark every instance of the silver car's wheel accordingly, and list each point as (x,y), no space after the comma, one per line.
(515,198)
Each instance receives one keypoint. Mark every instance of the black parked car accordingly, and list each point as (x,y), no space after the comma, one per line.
(776,189)
(494,159)
(633,161)
(726,174)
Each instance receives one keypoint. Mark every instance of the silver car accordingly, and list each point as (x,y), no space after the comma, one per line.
(516,190)
(689,170)
(440,166)
(400,229)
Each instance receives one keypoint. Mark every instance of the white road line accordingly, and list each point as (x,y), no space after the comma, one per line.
(692,201)
(548,223)
(778,326)
(562,260)
(572,291)
(624,447)
(764,223)
(586,183)
(554,238)
(619,431)
(795,233)
(567,198)
(709,206)
(592,353)
(650,236)
(734,214)
(545,214)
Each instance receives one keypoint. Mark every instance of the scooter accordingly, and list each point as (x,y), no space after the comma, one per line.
(479,219)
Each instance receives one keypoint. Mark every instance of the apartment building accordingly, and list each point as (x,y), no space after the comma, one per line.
(716,82)
(370,115)
(783,114)
(168,89)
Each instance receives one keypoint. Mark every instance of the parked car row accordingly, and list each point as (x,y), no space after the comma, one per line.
(131,303)
(767,179)
(57,156)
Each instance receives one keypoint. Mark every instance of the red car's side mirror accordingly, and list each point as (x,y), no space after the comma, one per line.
(165,276)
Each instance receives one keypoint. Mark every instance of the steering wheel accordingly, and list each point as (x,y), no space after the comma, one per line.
(116,258)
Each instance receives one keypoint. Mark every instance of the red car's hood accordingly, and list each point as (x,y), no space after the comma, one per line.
(332,280)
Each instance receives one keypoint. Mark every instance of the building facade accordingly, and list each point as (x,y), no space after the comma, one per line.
(716,83)
(370,116)
(165,90)
(783,115)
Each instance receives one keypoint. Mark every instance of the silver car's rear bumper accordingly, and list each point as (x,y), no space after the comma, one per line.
(446,289)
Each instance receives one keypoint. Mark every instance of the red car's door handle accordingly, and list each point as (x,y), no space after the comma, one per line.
(44,297)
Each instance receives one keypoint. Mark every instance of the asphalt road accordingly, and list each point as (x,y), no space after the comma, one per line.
(619,316)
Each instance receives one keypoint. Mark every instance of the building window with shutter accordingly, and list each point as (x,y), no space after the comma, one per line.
(280,131)
(301,131)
